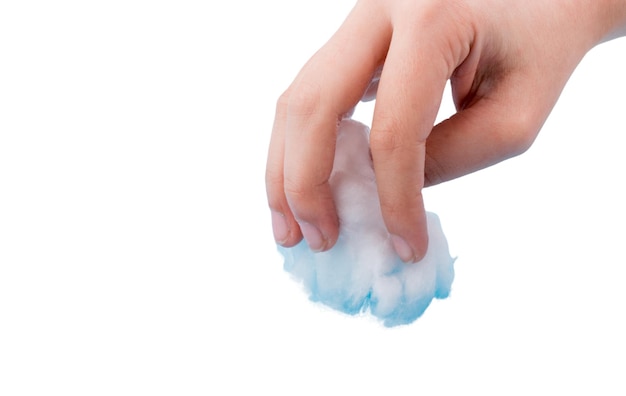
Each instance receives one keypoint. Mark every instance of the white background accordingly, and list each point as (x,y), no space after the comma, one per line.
(136,254)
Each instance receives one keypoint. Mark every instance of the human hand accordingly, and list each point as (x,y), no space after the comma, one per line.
(507,63)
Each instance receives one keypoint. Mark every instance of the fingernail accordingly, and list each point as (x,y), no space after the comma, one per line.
(313,237)
(280,227)
(403,249)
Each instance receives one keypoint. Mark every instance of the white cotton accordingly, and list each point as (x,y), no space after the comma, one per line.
(362,272)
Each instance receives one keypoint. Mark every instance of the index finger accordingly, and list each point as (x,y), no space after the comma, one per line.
(409,95)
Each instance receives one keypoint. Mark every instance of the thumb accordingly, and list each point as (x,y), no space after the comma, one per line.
(492,129)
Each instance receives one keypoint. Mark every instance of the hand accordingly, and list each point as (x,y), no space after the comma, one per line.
(507,63)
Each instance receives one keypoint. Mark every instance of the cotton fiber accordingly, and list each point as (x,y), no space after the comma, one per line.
(362,272)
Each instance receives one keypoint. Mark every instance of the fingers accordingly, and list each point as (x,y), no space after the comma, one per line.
(408,98)
(302,147)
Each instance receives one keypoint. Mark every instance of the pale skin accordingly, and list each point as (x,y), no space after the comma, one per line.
(507,62)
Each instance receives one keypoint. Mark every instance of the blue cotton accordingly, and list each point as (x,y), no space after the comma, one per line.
(362,272)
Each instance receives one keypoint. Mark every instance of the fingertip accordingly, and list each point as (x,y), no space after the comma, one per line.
(331,232)
(403,249)
(421,246)
(316,240)
(280,227)
(286,230)
(410,252)
(320,238)
(407,226)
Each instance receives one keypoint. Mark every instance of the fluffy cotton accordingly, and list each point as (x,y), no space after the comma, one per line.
(362,271)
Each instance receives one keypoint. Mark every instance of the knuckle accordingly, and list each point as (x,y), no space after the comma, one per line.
(391,210)
(391,134)
(303,100)
(385,139)
(282,104)
(521,133)
(304,195)
(273,179)
(396,205)
(297,190)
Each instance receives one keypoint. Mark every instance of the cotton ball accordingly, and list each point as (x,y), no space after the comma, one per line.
(362,272)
